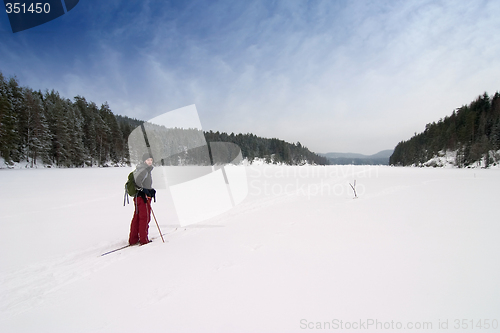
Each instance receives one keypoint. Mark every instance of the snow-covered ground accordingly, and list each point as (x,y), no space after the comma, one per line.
(419,248)
(448,159)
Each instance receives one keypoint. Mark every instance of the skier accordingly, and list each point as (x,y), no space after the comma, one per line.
(142,201)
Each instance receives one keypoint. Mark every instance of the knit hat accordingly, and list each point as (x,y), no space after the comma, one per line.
(146,156)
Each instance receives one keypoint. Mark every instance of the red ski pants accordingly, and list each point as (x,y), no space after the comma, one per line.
(140,222)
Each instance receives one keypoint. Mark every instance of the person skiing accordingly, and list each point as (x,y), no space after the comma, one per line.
(142,201)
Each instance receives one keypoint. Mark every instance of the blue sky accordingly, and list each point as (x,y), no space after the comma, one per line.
(338,76)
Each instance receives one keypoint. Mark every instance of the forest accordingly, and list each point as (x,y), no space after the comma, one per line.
(46,129)
(472,131)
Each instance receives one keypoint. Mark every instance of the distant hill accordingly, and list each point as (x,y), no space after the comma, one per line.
(471,133)
(380,158)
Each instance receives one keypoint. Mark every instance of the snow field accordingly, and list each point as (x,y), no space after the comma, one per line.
(418,245)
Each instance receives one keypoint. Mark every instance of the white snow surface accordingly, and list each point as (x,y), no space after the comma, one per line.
(418,245)
(448,159)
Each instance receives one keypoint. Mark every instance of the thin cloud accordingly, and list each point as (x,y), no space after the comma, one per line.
(337,76)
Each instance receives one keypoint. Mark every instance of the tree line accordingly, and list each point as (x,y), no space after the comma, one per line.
(48,129)
(271,150)
(473,131)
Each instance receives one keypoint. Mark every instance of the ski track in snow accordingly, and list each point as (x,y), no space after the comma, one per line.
(26,287)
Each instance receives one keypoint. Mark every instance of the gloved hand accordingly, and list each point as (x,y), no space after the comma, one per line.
(149,192)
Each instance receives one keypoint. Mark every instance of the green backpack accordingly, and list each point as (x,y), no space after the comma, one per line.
(130,187)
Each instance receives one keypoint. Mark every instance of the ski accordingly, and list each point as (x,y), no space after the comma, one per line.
(128,245)
(118,249)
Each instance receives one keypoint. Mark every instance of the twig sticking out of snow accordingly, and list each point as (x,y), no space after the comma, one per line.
(354,189)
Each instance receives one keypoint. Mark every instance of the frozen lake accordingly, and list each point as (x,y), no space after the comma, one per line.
(417,248)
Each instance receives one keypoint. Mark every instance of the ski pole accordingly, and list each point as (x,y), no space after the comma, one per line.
(157,225)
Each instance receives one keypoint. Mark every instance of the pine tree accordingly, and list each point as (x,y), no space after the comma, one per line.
(8,128)
(35,130)
(114,137)
(59,127)
(16,100)
(76,148)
